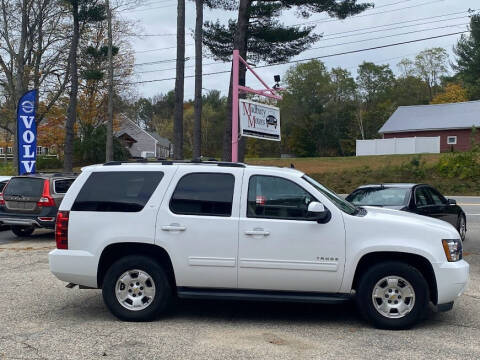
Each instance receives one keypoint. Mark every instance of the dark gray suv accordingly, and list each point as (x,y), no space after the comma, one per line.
(31,201)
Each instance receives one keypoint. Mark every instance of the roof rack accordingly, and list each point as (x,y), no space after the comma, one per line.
(209,161)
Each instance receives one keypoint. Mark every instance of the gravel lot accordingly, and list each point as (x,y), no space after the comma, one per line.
(41,319)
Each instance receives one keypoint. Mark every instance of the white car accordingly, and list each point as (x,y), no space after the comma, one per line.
(147,232)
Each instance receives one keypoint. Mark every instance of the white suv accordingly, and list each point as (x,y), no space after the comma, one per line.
(145,233)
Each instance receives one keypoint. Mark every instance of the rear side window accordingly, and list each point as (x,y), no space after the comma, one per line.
(62,186)
(24,186)
(209,194)
(117,191)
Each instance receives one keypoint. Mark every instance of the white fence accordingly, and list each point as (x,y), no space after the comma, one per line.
(413,145)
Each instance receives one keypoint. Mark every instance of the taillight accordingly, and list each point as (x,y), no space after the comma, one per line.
(2,200)
(61,230)
(46,200)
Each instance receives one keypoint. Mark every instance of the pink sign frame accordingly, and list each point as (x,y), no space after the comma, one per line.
(237,88)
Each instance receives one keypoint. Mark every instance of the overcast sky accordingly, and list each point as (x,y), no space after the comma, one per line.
(436,17)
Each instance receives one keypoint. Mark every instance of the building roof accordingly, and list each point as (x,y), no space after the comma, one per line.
(161,140)
(433,117)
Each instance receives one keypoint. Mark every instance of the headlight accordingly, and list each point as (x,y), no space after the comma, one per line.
(453,249)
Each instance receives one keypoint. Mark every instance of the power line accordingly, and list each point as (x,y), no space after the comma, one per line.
(315,21)
(309,59)
(385,37)
(327,46)
(325,20)
(355,30)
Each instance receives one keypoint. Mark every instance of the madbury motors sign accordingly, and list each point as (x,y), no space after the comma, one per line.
(259,121)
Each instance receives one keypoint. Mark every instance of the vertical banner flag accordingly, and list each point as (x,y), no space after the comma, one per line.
(27,133)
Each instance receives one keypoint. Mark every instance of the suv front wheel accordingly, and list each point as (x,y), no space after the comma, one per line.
(392,295)
(136,288)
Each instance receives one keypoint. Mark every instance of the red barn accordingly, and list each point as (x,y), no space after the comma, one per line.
(452,122)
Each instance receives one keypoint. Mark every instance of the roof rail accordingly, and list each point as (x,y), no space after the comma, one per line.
(173,162)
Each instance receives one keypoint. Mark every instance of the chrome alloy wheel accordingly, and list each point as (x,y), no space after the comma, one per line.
(393,297)
(135,290)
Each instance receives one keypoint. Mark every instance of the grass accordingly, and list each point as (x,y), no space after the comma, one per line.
(322,165)
(344,174)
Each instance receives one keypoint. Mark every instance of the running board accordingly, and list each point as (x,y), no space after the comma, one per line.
(256,295)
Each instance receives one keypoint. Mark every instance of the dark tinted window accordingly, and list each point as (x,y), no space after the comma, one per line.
(62,186)
(28,187)
(380,196)
(422,198)
(437,198)
(208,194)
(277,198)
(117,191)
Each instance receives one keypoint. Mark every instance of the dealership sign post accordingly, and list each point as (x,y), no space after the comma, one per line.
(256,119)
(27,133)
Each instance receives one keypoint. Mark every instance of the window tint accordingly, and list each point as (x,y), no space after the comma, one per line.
(209,194)
(117,191)
(61,186)
(28,187)
(437,198)
(421,197)
(277,198)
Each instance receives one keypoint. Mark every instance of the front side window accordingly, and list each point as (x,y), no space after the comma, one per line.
(117,191)
(207,194)
(340,203)
(422,198)
(437,198)
(277,198)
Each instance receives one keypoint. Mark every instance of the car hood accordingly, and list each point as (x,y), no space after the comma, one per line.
(391,215)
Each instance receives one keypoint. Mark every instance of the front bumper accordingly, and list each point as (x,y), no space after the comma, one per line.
(74,266)
(452,280)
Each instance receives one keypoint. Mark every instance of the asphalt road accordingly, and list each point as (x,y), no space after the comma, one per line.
(41,319)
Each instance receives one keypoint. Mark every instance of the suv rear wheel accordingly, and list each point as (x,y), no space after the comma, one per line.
(392,295)
(136,288)
(22,231)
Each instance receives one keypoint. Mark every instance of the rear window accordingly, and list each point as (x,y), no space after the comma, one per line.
(380,196)
(117,191)
(62,186)
(23,186)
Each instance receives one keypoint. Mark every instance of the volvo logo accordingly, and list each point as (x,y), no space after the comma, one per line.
(28,106)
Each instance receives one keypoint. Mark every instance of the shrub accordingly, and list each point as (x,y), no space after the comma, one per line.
(48,163)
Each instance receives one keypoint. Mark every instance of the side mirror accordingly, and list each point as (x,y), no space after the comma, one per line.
(317,212)
(452,202)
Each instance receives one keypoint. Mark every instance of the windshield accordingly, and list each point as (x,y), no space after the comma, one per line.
(342,204)
(379,196)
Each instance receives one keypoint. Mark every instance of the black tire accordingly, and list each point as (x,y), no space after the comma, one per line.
(463,234)
(23,231)
(163,290)
(374,275)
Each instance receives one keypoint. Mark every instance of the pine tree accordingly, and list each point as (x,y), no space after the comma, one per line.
(468,58)
(261,37)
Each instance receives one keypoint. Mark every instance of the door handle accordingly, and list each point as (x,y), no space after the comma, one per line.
(257,232)
(174,227)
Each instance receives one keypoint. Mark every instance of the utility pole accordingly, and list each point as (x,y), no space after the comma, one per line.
(109,146)
(197,126)
(179,83)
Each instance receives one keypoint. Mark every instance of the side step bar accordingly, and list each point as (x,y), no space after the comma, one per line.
(255,295)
